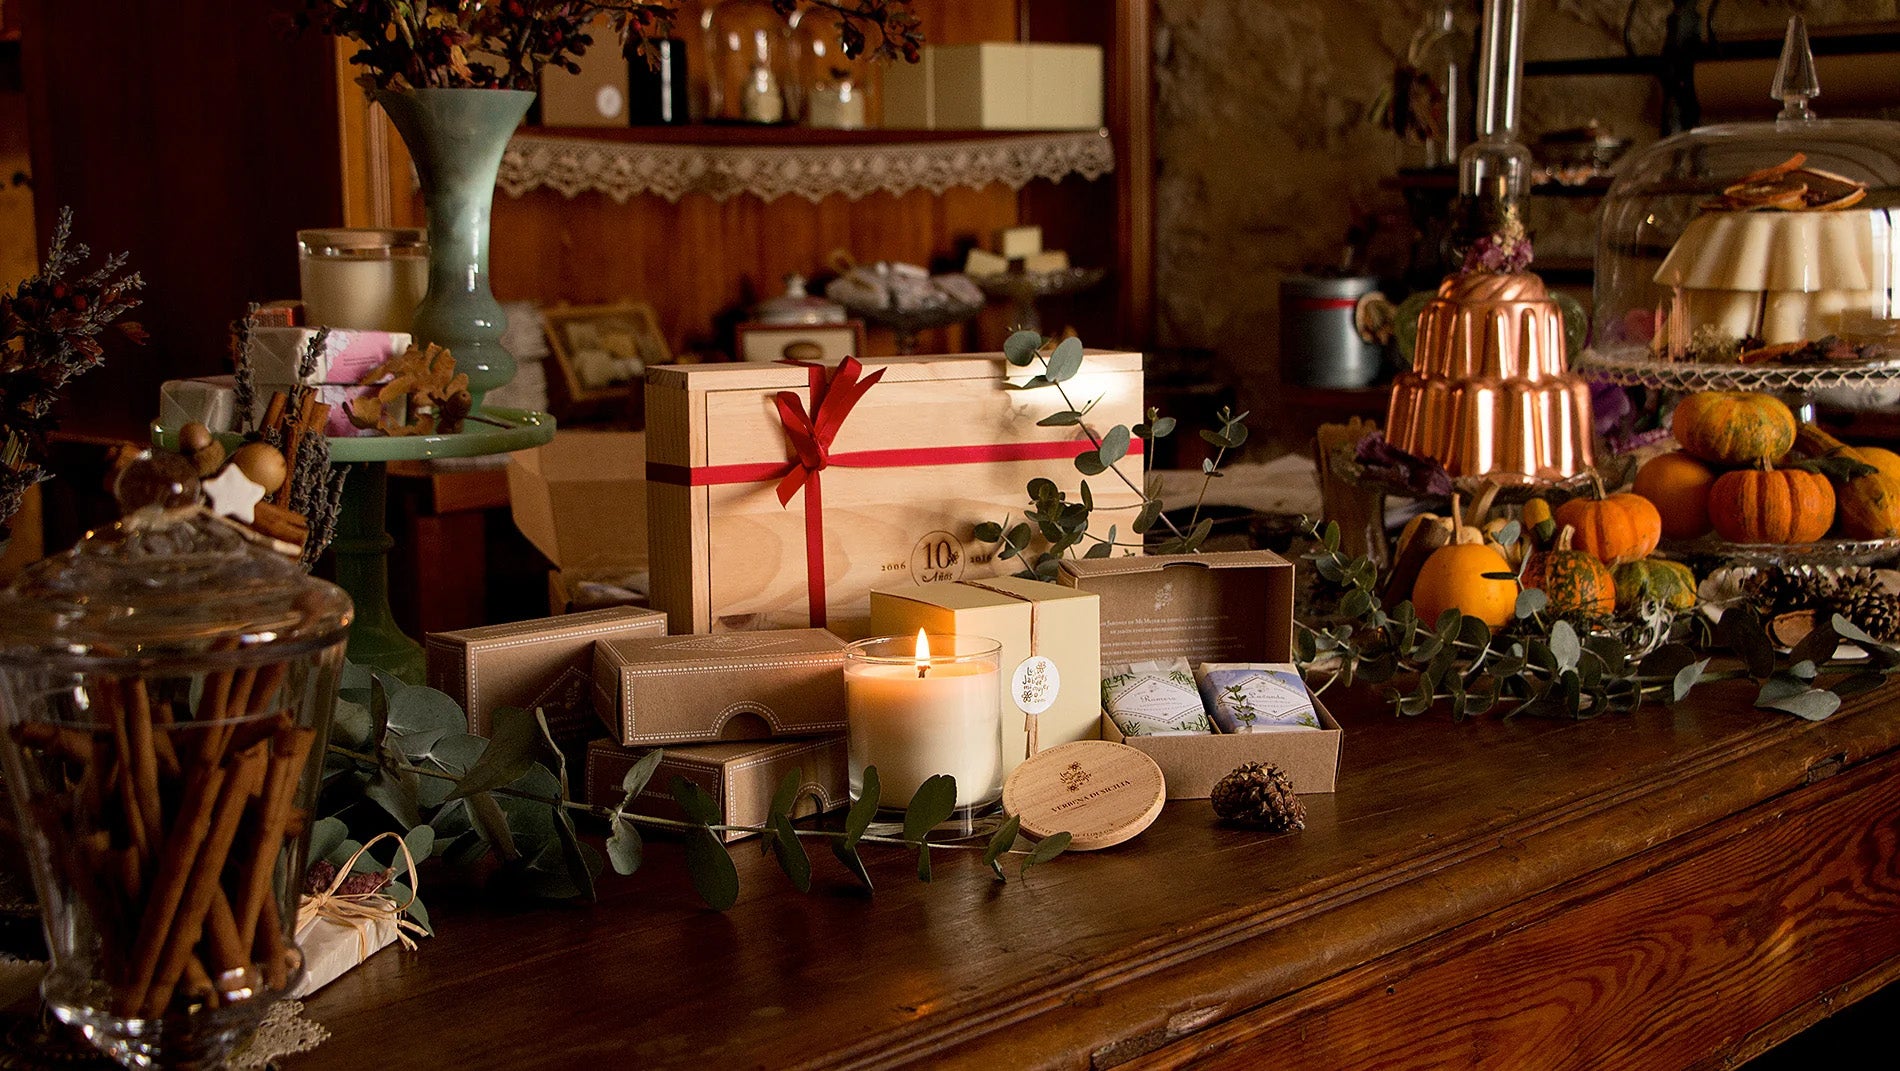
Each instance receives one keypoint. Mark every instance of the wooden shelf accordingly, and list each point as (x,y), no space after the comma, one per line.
(751,135)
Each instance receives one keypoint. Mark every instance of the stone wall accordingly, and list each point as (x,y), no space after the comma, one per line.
(1268,155)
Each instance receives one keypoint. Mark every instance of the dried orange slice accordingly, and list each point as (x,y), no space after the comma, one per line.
(1792,163)
(1776,193)
(1827,190)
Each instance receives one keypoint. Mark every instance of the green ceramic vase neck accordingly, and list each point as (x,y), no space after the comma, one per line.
(457,137)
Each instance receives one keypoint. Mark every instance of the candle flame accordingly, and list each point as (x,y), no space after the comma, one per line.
(923,653)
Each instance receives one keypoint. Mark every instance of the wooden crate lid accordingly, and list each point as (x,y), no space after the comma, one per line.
(771,375)
(1100,793)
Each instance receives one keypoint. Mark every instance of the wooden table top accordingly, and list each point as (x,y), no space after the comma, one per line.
(1438,837)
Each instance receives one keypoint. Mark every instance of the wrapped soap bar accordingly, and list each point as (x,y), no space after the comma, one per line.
(1155,698)
(1255,697)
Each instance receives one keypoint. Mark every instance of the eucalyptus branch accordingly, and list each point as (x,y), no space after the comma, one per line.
(1095,440)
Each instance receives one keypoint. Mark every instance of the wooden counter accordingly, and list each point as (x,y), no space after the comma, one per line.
(1683,887)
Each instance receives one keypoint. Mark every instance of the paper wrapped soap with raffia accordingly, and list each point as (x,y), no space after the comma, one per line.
(1490,392)
(779,494)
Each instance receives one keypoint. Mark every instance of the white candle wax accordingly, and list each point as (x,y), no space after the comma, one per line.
(912,728)
(378,292)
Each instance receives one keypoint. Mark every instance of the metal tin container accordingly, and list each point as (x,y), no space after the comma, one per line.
(1319,342)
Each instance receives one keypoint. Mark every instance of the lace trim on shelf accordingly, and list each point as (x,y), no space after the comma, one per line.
(620,170)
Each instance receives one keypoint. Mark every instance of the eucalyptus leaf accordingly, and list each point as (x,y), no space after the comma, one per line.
(1849,631)
(1000,843)
(1099,550)
(491,822)
(514,742)
(988,532)
(1114,444)
(625,850)
(848,855)
(325,835)
(1686,678)
(1043,489)
(1858,683)
(789,852)
(1741,631)
(699,806)
(1779,687)
(1815,704)
(1564,647)
(421,844)
(1090,463)
(395,790)
(1161,428)
(1065,419)
(715,879)
(637,776)
(417,709)
(1046,849)
(351,725)
(933,803)
(1817,646)
(1066,361)
(1530,601)
(923,862)
(863,809)
(786,796)
(1021,346)
(1667,660)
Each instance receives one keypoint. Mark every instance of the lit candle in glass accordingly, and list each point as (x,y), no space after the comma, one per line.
(922,706)
(363,278)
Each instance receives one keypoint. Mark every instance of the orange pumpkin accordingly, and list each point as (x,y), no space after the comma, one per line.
(1870,506)
(1573,580)
(1616,528)
(1454,576)
(1771,506)
(1678,486)
(1733,427)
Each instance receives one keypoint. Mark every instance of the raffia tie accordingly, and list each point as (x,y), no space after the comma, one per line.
(362,911)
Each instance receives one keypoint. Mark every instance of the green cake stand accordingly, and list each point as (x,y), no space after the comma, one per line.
(363,541)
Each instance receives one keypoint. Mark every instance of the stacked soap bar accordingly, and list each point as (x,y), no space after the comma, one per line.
(1017,249)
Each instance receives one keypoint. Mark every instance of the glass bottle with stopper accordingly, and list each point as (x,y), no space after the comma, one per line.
(1494,170)
(1431,94)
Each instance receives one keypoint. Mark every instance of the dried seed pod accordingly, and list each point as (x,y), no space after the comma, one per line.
(263,464)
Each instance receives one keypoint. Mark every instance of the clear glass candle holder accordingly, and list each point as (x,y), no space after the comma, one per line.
(918,706)
(363,278)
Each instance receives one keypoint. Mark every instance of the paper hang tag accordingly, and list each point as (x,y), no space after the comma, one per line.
(1035,684)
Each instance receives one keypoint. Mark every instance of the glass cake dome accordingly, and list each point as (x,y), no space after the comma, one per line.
(1769,248)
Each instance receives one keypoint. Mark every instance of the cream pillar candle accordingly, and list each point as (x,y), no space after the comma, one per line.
(922,706)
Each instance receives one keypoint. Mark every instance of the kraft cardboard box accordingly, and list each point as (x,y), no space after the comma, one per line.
(547,663)
(582,501)
(725,686)
(1032,620)
(740,778)
(1233,606)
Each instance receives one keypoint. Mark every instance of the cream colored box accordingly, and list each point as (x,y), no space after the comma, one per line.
(980,87)
(548,663)
(1232,606)
(597,95)
(1065,86)
(938,446)
(740,778)
(1030,619)
(909,97)
(733,686)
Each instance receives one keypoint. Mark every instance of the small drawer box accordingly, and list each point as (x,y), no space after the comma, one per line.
(725,686)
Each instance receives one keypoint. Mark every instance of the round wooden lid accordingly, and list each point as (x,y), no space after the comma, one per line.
(1101,792)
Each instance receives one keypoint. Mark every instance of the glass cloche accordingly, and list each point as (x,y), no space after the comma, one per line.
(1755,254)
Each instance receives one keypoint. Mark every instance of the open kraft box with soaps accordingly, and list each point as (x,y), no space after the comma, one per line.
(1230,606)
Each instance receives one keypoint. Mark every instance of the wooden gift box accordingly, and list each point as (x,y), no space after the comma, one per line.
(740,778)
(938,446)
(1231,606)
(547,663)
(736,686)
(1029,618)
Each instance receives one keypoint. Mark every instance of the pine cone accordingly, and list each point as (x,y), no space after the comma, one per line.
(1872,610)
(1797,587)
(1260,796)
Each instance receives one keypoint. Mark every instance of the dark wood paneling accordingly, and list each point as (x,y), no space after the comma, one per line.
(196,136)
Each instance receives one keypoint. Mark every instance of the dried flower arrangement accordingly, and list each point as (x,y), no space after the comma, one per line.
(462,44)
(50,329)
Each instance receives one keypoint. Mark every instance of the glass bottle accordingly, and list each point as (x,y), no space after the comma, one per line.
(839,92)
(1436,87)
(748,70)
(1497,167)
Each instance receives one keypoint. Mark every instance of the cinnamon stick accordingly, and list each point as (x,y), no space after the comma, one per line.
(229,951)
(184,844)
(105,693)
(198,982)
(142,760)
(274,411)
(289,749)
(270,948)
(153,992)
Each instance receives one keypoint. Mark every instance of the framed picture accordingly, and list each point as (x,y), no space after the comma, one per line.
(823,343)
(601,353)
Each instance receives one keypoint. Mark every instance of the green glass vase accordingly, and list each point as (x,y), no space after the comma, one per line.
(457,137)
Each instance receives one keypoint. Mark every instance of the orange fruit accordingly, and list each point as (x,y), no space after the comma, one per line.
(1678,486)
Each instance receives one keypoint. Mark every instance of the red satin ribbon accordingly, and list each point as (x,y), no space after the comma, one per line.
(811,436)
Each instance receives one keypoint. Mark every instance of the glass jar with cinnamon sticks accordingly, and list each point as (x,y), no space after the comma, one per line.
(166,689)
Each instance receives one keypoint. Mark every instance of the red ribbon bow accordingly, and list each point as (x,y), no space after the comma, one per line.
(811,436)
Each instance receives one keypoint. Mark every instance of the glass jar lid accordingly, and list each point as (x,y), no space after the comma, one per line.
(170,580)
(363,242)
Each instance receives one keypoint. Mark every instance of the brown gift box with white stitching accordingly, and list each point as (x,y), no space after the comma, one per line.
(1228,606)
(726,686)
(546,663)
(741,778)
